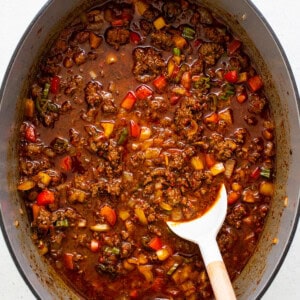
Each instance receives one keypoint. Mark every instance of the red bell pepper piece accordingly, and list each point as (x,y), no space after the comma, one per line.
(135,129)
(242,97)
(231,76)
(109,214)
(155,243)
(255,83)
(210,159)
(135,38)
(55,85)
(66,163)
(160,83)
(143,92)
(233,46)
(45,197)
(255,173)
(128,101)
(117,23)
(68,261)
(233,197)
(30,133)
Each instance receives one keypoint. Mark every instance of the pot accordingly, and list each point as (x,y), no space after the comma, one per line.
(252,29)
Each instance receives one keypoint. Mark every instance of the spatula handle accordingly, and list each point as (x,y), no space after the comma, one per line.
(220,281)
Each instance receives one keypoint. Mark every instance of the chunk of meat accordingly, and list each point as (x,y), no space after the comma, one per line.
(211,52)
(148,63)
(116,36)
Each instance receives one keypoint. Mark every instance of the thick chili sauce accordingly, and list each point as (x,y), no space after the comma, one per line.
(137,113)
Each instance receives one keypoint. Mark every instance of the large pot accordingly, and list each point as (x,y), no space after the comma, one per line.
(251,28)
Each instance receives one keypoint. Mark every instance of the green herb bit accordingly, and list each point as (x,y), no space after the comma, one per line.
(46,90)
(176,51)
(173,268)
(188,33)
(265,172)
(62,223)
(123,136)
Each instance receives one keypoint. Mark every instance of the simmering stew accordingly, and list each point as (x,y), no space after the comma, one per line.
(135,116)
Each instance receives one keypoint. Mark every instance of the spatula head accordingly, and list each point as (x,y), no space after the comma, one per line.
(209,224)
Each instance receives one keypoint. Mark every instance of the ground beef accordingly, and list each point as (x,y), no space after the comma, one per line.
(146,26)
(211,52)
(116,36)
(161,40)
(256,104)
(214,34)
(148,63)
(92,93)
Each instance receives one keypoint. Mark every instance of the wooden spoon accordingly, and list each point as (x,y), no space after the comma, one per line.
(203,231)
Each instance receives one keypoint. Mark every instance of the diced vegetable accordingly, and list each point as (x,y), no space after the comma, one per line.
(160,83)
(123,136)
(62,223)
(242,97)
(173,268)
(186,80)
(255,83)
(243,77)
(124,214)
(146,271)
(42,248)
(210,159)
(266,188)
(188,33)
(135,129)
(66,163)
(100,227)
(30,133)
(197,163)
(233,197)
(164,253)
(155,243)
(265,172)
(176,51)
(109,214)
(229,167)
(108,128)
(43,178)
(217,169)
(231,76)
(26,185)
(143,92)
(211,118)
(55,85)
(152,152)
(226,115)
(159,23)
(179,41)
(135,38)
(68,261)
(128,101)
(29,108)
(95,40)
(255,173)
(45,197)
(95,245)
(35,211)
(145,133)
(139,212)
(141,6)
(233,46)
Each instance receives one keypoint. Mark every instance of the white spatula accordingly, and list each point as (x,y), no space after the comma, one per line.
(203,231)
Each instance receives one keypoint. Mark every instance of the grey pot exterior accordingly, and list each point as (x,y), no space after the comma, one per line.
(248,25)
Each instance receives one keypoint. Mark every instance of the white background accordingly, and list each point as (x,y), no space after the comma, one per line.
(282,15)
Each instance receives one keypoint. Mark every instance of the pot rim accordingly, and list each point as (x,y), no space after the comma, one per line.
(296,93)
